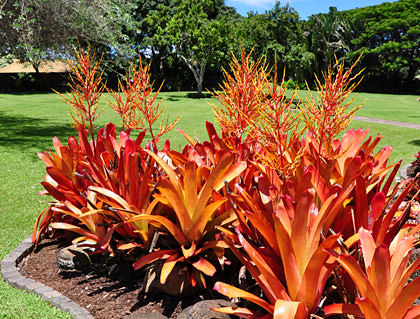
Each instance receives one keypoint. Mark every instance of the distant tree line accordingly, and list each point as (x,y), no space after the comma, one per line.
(189,41)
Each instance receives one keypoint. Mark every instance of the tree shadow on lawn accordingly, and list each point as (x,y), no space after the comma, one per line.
(172,98)
(175,97)
(414,142)
(29,134)
(187,96)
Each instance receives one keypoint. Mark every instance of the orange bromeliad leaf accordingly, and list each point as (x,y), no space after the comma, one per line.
(75,229)
(383,284)
(165,222)
(290,310)
(168,266)
(204,266)
(233,292)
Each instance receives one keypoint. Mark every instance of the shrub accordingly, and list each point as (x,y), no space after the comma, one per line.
(316,220)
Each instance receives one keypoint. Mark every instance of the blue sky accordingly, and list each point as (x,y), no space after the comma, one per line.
(304,7)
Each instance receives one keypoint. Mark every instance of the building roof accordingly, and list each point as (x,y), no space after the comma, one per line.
(45,67)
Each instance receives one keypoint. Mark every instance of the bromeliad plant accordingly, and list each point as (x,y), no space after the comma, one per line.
(190,192)
(382,279)
(289,262)
(90,179)
(316,220)
(314,199)
(79,178)
(117,195)
(286,228)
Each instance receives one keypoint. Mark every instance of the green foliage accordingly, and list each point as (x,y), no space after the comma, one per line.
(201,35)
(37,30)
(198,39)
(326,37)
(388,40)
(276,35)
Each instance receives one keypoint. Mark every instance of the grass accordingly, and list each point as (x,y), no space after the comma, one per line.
(29,121)
(403,108)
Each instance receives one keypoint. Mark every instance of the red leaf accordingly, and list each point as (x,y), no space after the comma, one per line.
(149,258)
(377,206)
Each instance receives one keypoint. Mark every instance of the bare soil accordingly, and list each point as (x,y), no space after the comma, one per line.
(95,289)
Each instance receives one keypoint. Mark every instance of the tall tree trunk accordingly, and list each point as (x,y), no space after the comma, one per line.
(198,69)
(36,67)
(200,87)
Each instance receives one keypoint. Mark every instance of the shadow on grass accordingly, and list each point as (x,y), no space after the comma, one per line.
(173,98)
(31,134)
(186,96)
(414,142)
(194,95)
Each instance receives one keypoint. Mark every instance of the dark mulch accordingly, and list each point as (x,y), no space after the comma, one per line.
(93,289)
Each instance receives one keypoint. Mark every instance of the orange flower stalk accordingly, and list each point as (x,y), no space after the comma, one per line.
(254,108)
(138,105)
(241,96)
(277,131)
(86,90)
(123,105)
(327,115)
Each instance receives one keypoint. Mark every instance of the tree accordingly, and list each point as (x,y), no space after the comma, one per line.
(327,34)
(276,34)
(35,30)
(146,31)
(152,19)
(390,42)
(253,32)
(289,43)
(197,39)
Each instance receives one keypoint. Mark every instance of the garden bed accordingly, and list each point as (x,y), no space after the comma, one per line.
(92,289)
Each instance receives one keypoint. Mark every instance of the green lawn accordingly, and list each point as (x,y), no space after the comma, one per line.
(403,108)
(29,121)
